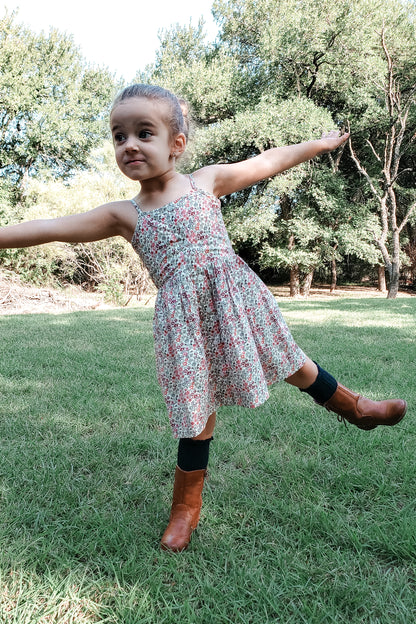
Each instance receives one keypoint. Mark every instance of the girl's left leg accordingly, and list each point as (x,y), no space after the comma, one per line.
(356,409)
(190,474)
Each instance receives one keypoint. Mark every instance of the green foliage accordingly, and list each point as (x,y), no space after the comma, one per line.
(269,123)
(7,210)
(251,221)
(281,257)
(52,104)
(320,49)
(203,75)
(284,73)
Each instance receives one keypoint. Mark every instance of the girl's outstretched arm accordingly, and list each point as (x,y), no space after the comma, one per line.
(108,220)
(226,179)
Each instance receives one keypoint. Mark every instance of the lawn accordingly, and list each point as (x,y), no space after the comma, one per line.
(304,520)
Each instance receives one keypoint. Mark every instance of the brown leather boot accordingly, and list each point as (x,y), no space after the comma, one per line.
(186,507)
(365,413)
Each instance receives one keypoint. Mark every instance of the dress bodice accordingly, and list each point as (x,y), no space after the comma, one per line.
(185,233)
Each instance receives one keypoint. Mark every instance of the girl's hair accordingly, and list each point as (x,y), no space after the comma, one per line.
(178,109)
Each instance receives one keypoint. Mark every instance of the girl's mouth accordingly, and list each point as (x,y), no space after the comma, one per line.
(135,161)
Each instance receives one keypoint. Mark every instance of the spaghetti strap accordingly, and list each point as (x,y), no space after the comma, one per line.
(135,204)
(192,181)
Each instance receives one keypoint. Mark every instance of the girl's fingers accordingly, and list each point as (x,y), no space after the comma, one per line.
(334,139)
(334,134)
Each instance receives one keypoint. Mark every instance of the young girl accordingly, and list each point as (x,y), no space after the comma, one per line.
(219,334)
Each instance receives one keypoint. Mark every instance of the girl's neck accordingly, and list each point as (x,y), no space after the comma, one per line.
(158,192)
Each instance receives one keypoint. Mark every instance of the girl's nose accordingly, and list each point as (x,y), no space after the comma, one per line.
(131,143)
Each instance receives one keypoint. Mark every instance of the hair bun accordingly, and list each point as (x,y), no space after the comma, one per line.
(185,114)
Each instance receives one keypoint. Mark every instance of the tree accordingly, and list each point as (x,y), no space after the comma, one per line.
(52,105)
(274,62)
(398,94)
(330,53)
(202,74)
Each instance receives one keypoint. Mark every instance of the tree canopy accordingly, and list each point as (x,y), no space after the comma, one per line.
(280,72)
(284,71)
(52,104)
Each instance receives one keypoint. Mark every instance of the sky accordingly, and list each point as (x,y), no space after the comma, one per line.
(123,39)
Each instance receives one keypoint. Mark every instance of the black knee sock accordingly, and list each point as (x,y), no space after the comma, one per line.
(323,387)
(193,454)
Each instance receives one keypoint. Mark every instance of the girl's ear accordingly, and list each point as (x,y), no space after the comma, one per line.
(178,145)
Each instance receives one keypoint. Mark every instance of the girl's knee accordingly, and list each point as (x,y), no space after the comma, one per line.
(209,428)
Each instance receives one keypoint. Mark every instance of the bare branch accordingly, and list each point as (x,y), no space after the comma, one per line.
(335,158)
(399,174)
(363,171)
(397,153)
(407,216)
(338,155)
(390,91)
(373,150)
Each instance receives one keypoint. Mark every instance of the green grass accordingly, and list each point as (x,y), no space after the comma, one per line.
(304,520)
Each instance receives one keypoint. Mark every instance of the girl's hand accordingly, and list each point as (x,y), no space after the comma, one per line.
(331,140)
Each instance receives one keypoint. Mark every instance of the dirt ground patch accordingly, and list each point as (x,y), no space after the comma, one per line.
(18,298)
(323,292)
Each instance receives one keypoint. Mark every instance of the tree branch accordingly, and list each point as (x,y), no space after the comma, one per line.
(373,150)
(363,171)
(398,174)
(338,155)
(407,216)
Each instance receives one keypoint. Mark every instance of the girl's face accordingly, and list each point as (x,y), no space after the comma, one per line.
(144,147)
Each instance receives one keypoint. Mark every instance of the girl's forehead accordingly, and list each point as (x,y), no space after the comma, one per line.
(139,107)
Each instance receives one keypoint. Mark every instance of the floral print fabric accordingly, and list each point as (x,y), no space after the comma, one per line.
(220,338)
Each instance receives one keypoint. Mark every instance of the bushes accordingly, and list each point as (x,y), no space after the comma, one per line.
(111,267)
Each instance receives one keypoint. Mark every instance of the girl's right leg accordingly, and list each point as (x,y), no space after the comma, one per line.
(190,474)
(356,409)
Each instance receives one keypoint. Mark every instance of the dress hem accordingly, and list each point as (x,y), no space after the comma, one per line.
(254,405)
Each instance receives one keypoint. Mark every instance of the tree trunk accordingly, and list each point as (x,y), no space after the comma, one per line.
(395,265)
(381,278)
(307,283)
(333,275)
(294,281)
(394,281)
(294,269)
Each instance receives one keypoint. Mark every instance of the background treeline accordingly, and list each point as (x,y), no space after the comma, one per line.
(280,71)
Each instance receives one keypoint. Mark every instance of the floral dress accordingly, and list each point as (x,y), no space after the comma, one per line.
(220,338)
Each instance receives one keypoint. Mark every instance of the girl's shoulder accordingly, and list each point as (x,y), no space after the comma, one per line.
(124,216)
(221,179)
(120,209)
(205,178)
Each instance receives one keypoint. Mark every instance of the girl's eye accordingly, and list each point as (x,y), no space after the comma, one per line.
(119,137)
(145,134)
